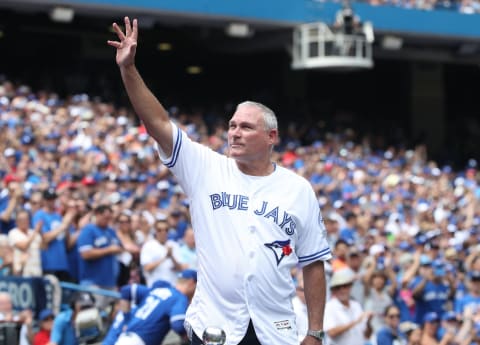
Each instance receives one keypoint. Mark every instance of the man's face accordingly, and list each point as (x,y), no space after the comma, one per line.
(247,138)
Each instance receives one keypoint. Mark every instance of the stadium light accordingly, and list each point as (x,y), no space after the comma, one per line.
(194,69)
(240,30)
(392,42)
(62,14)
(164,46)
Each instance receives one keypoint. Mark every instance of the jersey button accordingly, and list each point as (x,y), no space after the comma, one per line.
(252,254)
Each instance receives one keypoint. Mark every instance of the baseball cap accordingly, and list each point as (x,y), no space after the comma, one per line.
(49,193)
(10,178)
(9,152)
(474,275)
(134,293)
(425,260)
(83,299)
(188,274)
(449,316)
(407,327)
(44,314)
(431,317)
(375,249)
(163,185)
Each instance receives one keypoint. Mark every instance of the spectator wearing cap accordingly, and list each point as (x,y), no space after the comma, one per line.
(350,232)
(10,202)
(412,332)
(131,296)
(449,323)
(345,321)
(163,309)
(431,322)
(177,224)
(389,333)
(98,246)
(45,319)
(472,298)
(430,289)
(163,187)
(26,244)
(55,232)
(10,155)
(159,257)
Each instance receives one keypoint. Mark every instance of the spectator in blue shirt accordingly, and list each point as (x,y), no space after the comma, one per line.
(389,333)
(55,233)
(98,245)
(430,290)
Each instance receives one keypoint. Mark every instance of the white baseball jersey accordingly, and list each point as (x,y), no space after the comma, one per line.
(250,232)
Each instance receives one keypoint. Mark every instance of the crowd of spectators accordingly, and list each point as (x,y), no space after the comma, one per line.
(462,6)
(84,197)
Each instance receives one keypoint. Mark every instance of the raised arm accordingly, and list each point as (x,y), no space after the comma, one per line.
(146,105)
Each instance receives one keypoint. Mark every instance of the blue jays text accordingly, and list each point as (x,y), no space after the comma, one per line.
(240,202)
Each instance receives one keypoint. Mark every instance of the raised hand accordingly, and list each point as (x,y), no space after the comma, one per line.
(127,46)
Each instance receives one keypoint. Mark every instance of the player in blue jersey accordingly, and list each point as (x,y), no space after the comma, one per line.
(163,309)
(130,297)
(98,245)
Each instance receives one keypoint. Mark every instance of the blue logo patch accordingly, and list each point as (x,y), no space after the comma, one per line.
(280,249)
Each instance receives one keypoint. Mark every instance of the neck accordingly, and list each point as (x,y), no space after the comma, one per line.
(263,168)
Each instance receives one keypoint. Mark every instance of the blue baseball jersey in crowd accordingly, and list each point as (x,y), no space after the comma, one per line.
(467,301)
(385,336)
(104,270)
(162,310)
(54,257)
(63,331)
(433,298)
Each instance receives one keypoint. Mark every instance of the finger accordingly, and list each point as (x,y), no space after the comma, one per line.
(128,27)
(115,44)
(135,29)
(119,31)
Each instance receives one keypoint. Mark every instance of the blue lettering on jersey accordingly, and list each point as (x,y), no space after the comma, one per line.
(240,202)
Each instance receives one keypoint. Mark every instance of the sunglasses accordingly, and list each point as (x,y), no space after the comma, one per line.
(393,316)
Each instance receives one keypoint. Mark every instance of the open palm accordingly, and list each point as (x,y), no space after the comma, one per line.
(127,45)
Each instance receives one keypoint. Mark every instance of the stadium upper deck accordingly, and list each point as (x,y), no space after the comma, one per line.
(388,18)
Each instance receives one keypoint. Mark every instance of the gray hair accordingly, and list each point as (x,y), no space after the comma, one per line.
(268,115)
